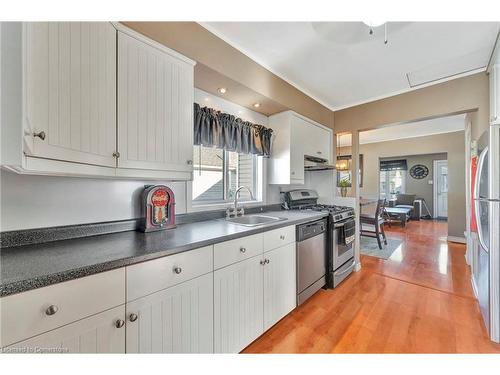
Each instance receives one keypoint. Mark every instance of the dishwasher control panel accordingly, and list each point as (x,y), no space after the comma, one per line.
(309,230)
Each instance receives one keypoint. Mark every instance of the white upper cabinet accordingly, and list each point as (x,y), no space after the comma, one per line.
(295,137)
(94,99)
(155,108)
(70,91)
(315,139)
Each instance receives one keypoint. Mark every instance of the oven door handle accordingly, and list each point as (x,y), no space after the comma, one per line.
(348,269)
(339,225)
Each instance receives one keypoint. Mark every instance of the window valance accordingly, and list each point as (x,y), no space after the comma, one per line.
(393,165)
(213,128)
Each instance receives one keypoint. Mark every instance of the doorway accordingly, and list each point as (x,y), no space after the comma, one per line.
(440,189)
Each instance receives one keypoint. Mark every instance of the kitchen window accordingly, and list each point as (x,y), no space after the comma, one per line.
(218,173)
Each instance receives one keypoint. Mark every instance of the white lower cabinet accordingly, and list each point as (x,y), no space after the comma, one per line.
(201,311)
(175,320)
(238,305)
(100,333)
(279,284)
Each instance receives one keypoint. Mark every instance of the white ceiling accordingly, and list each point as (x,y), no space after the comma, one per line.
(339,64)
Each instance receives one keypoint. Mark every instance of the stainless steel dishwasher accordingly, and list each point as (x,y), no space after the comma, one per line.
(311,258)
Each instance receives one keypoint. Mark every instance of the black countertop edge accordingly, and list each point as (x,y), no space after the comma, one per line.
(71,274)
(24,237)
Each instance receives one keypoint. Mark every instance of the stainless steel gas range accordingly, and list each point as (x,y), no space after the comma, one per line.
(339,247)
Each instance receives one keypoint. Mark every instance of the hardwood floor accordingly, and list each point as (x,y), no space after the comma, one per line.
(418,301)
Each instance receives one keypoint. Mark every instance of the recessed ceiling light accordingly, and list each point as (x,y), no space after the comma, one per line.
(256,105)
(222,90)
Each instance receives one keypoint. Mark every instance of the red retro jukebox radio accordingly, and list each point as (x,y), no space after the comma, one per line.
(158,208)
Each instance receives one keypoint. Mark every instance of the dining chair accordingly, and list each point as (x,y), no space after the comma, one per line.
(377,221)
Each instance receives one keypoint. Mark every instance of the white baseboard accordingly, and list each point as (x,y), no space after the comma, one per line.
(457,239)
(474,288)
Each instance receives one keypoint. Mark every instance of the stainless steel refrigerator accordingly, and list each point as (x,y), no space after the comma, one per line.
(487,212)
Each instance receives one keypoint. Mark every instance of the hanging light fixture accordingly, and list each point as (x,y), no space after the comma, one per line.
(341,164)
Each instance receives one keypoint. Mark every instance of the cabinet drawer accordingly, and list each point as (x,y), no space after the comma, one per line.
(154,275)
(95,334)
(28,314)
(233,251)
(279,237)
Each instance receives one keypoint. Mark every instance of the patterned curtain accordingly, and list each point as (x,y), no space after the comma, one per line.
(213,128)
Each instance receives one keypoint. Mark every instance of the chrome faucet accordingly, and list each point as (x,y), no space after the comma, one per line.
(236,211)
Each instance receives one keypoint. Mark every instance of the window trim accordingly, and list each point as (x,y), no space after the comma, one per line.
(258,189)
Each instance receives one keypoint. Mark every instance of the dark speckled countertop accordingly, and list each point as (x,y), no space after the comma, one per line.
(28,267)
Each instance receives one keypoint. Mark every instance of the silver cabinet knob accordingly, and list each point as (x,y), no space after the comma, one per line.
(133,317)
(119,323)
(189,162)
(293,173)
(243,250)
(319,152)
(51,310)
(177,270)
(262,262)
(267,261)
(116,154)
(40,135)
(282,237)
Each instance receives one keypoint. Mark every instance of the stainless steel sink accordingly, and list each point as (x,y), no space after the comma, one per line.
(254,220)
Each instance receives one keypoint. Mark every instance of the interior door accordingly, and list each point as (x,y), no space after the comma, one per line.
(441,177)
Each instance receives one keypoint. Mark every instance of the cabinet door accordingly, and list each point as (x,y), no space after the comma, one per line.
(314,139)
(70,91)
(319,142)
(155,108)
(96,334)
(298,139)
(238,305)
(175,320)
(495,94)
(279,284)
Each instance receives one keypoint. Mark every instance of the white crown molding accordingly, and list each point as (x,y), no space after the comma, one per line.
(314,96)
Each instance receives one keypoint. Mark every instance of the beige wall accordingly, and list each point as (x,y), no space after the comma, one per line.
(453,144)
(197,43)
(420,187)
(459,95)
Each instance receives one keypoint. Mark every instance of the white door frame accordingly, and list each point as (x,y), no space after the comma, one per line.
(468,213)
(434,186)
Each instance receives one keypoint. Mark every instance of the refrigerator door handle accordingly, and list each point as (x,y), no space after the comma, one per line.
(480,163)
